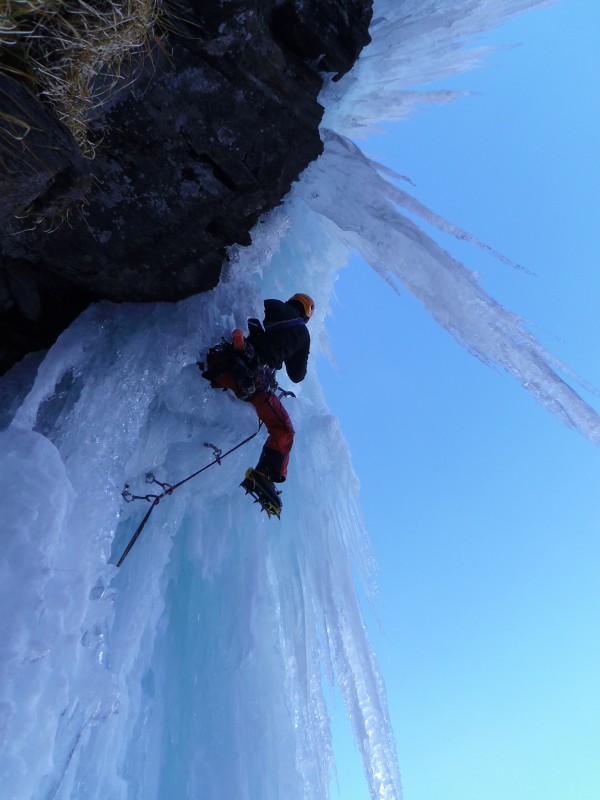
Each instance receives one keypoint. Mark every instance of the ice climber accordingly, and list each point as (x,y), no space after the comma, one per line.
(248,366)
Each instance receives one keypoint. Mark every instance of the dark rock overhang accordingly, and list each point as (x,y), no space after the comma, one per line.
(222,119)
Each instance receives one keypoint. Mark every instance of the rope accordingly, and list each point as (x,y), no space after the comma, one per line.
(168,489)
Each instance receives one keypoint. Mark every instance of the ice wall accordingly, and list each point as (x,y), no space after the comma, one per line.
(371,223)
(415,42)
(197,669)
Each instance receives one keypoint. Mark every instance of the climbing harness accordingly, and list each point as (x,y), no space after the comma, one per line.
(251,375)
(168,488)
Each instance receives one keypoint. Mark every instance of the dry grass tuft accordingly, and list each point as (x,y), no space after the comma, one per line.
(75,54)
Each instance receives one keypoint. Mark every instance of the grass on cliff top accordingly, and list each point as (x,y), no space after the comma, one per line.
(74,55)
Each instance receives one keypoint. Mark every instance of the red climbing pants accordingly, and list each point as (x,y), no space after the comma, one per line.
(275,454)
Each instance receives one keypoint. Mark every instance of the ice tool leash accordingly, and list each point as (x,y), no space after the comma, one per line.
(168,489)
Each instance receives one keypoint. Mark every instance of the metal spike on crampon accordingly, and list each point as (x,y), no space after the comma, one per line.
(263,491)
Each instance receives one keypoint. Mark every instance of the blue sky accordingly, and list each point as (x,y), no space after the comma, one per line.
(483,509)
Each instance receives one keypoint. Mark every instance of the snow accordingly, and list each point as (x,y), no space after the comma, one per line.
(201,667)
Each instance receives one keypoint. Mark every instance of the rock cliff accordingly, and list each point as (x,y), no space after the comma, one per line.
(222,119)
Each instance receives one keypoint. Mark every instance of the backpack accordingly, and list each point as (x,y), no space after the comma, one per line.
(250,375)
(224,358)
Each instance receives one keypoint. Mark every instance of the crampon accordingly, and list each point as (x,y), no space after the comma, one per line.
(263,491)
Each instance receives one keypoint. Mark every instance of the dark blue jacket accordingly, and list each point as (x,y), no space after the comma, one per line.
(283,340)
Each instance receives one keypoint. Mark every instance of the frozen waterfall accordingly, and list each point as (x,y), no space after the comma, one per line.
(202,667)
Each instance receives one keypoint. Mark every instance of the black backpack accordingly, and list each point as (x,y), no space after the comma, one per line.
(224,357)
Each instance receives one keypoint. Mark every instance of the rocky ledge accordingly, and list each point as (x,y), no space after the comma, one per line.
(222,119)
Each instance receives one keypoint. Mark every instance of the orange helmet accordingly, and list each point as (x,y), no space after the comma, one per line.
(307,303)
